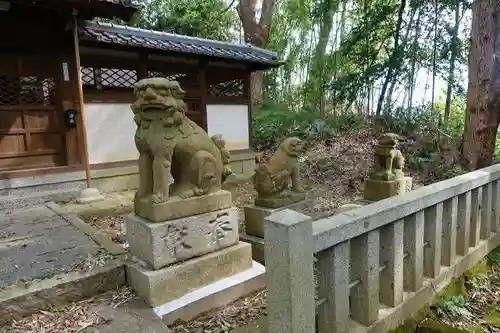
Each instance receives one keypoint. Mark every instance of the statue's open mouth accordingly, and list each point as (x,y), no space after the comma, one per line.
(152,107)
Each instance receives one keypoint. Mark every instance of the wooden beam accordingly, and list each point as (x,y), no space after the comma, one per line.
(86,162)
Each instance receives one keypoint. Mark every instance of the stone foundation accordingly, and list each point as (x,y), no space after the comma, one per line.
(158,287)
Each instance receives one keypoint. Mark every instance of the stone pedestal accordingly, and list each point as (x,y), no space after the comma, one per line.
(379,189)
(163,243)
(176,207)
(186,254)
(158,287)
(286,200)
(254,225)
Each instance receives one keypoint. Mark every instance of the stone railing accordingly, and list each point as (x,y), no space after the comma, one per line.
(377,265)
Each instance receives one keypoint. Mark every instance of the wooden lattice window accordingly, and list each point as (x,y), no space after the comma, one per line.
(169,76)
(106,78)
(188,80)
(27,90)
(229,88)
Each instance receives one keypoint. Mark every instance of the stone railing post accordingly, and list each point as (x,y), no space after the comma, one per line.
(289,272)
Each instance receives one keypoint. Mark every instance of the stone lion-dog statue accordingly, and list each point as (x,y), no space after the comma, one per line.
(274,178)
(389,161)
(169,143)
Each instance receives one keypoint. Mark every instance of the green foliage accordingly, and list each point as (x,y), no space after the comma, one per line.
(271,123)
(454,306)
(201,18)
(494,258)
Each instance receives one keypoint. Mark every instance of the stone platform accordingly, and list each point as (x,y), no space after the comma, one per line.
(176,207)
(158,287)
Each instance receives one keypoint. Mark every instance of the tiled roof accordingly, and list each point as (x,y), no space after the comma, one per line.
(124,3)
(124,35)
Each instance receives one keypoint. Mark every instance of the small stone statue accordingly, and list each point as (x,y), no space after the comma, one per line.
(170,143)
(272,180)
(389,161)
(226,156)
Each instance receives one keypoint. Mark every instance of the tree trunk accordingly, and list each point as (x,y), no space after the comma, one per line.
(399,64)
(434,55)
(453,60)
(392,58)
(484,83)
(257,88)
(411,80)
(316,78)
(257,34)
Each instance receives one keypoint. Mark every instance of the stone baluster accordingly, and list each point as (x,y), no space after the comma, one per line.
(289,272)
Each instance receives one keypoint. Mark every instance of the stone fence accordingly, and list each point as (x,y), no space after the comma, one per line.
(369,269)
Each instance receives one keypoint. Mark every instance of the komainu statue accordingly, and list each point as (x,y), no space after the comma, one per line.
(273,179)
(170,143)
(389,161)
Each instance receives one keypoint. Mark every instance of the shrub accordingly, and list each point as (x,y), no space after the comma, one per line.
(272,123)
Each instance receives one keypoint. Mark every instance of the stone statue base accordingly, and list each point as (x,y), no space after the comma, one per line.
(257,247)
(379,189)
(351,206)
(254,226)
(158,287)
(276,202)
(187,265)
(163,243)
(176,207)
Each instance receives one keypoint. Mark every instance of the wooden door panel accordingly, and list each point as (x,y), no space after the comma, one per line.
(47,142)
(43,120)
(31,162)
(11,120)
(31,128)
(12,144)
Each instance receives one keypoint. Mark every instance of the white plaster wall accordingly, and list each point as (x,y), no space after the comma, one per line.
(232,122)
(110,132)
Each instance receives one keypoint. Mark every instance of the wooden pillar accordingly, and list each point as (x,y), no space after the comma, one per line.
(248,93)
(81,101)
(142,68)
(203,85)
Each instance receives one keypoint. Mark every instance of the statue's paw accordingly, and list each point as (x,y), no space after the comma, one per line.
(187,194)
(157,198)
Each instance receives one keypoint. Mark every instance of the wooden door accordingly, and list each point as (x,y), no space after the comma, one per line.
(31,124)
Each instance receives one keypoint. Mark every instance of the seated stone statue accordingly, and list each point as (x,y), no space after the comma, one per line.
(274,178)
(389,161)
(170,143)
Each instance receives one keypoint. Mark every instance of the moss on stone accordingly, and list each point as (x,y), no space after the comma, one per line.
(455,288)
(411,324)
(479,269)
(475,328)
(434,326)
(492,316)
